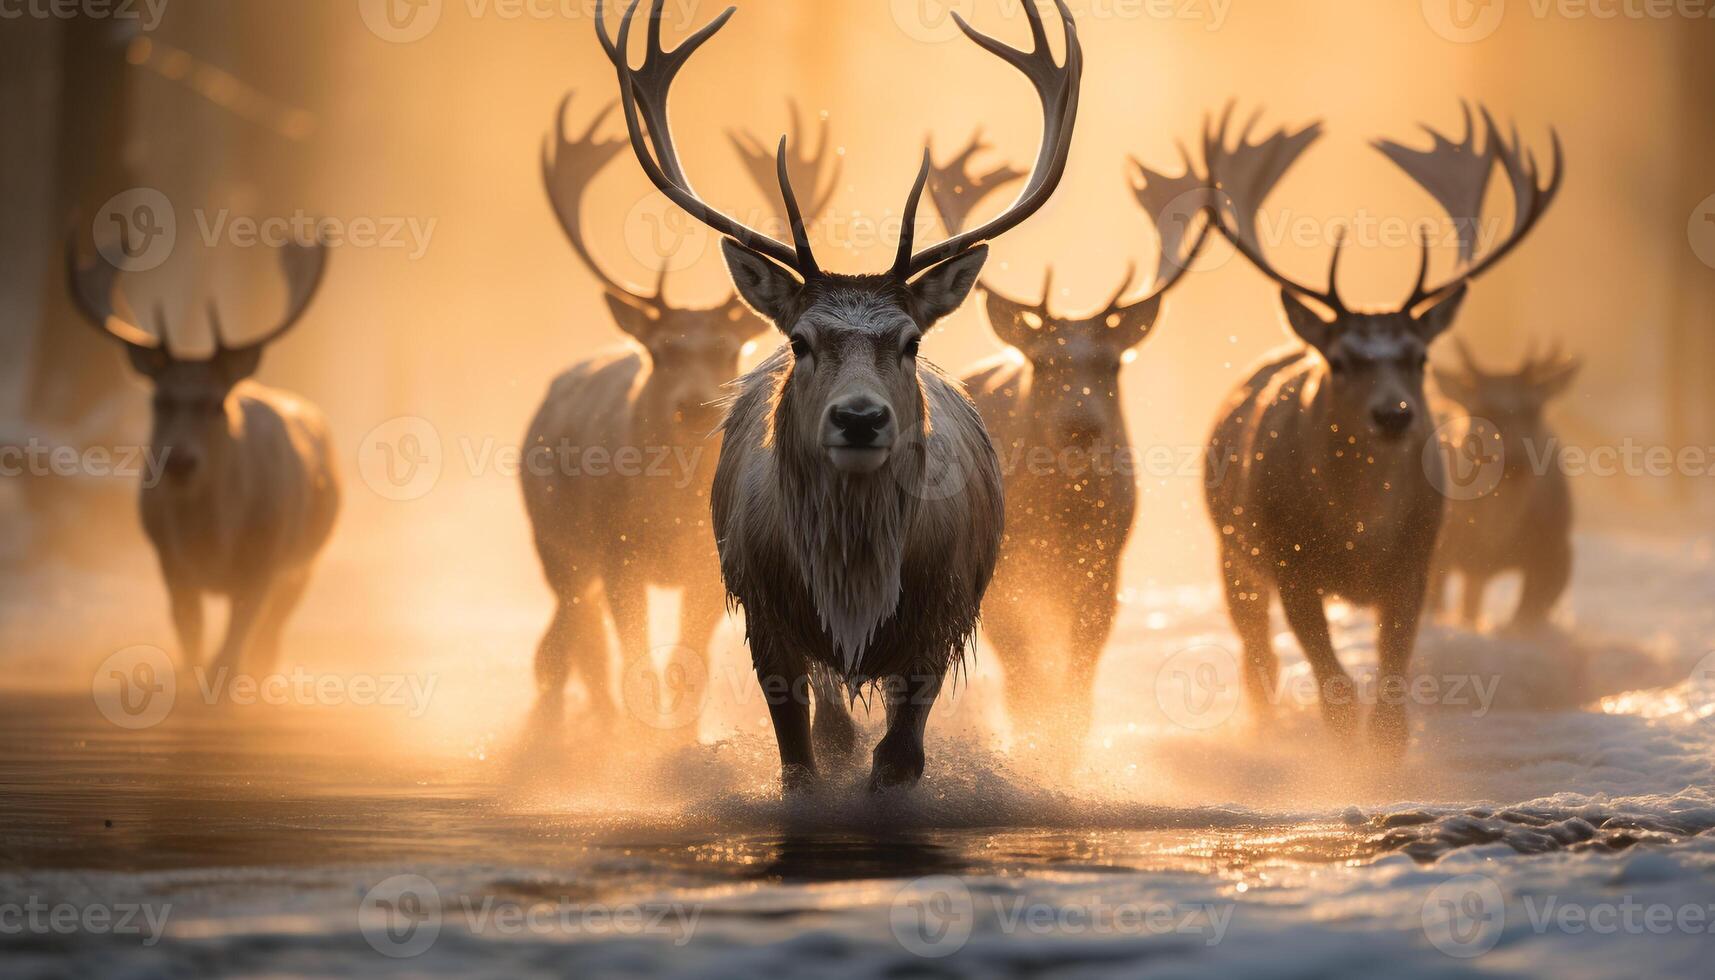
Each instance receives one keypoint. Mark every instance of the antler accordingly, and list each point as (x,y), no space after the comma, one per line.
(1057,87)
(92,293)
(92,289)
(956,191)
(802,168)
(1172,204)
(304,266)
(644,90)
(1457,176)
(1243,177)
(568,168)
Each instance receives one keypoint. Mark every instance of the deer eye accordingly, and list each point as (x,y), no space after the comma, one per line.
(912,346)
(800,346)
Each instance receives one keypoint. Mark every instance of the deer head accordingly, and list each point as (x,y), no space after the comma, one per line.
(852,392)
(1075,359)
(693,351)
(1514,402)
(1376,359)
(193,419)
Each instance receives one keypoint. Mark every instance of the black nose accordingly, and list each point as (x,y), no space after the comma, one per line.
(861,422)
(1392,419)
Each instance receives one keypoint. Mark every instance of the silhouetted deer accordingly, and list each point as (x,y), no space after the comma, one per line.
(607,532)
(250,493)
(1052,407)
(1523,523)
(857,503)
(1328,491)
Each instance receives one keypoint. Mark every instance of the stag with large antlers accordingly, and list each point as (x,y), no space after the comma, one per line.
(1052,405)
(1325,488)
(1522,521)
(605,534)
(857,502)
(250,492)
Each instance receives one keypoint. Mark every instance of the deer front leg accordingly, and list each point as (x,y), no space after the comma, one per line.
(1545,581)
(785,682)
(1248,599)
(1092,623)
(247,605)
(1309,622)
(1398,617)
(833,732)
(187,609)
(899,757)
(628,604)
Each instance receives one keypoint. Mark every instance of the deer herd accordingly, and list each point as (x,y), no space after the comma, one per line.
(866,509)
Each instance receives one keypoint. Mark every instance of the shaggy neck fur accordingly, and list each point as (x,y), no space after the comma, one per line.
(848,532)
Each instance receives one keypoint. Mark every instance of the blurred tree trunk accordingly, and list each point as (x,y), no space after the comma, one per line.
(73,370)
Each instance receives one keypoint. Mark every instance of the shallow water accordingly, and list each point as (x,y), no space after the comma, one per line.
(1564,790)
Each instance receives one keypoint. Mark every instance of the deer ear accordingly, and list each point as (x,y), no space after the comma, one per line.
(1126,328)
(1008,320)
(944,287)
(1306,322)
(632,319)
(766,285)
(1435,321)
(1459,387)
(147,361)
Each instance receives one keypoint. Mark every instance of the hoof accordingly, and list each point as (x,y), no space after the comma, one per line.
(797,779)
(895,766)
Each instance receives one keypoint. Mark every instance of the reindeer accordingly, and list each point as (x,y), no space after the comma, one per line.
(857,500)
(1052,406)
(249,494)
(1324,491)
(1524,523)
(607,533)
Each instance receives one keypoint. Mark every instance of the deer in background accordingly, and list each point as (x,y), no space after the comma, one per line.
(1052,406)
(1524,523)
(249,494)
(605,537)
(857,501)
(1326,492)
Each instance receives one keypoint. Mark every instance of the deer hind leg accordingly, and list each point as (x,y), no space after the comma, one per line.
(899,757)
(1248,599)
(1545,582)
(186,604)
(832,731)
(1006,630)
(282,600)
(1309,622)
(574,638)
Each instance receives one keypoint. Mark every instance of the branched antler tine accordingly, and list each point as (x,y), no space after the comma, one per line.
(1456,175)
(794,217)
(1047,290)
(1158,194)
(1057,88)
(304,266)
(1468,359)
(956,192)
(1113,304)
(216,328)
(903,261)
(92,292)
(568,168)
(665,172)
(1531,200)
